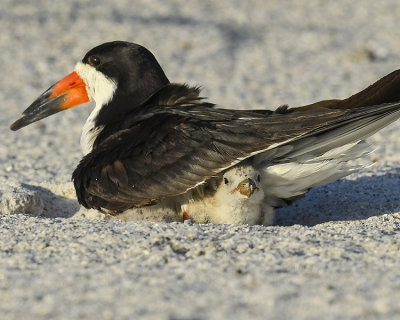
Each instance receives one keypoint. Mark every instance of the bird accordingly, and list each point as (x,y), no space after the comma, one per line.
(149,142)
(235,198)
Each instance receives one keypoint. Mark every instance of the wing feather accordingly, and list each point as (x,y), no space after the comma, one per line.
(168,151)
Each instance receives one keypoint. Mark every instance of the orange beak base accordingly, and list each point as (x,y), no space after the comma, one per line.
(67,93)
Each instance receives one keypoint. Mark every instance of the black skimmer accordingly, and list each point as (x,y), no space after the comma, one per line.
(149,141)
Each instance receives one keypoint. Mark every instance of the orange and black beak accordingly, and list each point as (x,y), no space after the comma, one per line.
(67,93)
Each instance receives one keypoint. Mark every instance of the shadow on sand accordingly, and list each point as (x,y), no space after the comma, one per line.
(345,200)
(55,204)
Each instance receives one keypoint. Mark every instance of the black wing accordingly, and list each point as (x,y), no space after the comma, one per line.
(171,150)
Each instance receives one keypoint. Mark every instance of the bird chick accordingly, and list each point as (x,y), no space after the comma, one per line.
(237,198)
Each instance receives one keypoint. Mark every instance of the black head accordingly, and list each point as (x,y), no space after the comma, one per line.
(134,68)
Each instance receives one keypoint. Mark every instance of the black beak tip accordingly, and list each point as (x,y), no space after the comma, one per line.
(38,110)
(16,125)
(20,123)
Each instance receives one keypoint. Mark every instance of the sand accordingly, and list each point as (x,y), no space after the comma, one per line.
(334,254)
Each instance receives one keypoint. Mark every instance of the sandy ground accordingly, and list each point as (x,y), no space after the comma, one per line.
(334,254)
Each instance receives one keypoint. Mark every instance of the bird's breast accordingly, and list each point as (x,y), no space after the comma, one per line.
(90,132)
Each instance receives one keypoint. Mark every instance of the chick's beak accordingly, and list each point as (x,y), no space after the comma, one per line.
(246,187)
(67,93)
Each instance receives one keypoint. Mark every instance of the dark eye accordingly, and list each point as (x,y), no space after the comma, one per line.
(226,180)
(258,178)
(94,61)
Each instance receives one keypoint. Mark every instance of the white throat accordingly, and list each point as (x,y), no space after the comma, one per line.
(101,89)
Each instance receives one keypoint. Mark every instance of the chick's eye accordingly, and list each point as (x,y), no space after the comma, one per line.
(226,180)
(94,61)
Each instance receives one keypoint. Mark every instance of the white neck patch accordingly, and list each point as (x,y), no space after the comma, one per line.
(99,88)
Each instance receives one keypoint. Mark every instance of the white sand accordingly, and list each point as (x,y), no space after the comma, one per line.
(334,254)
